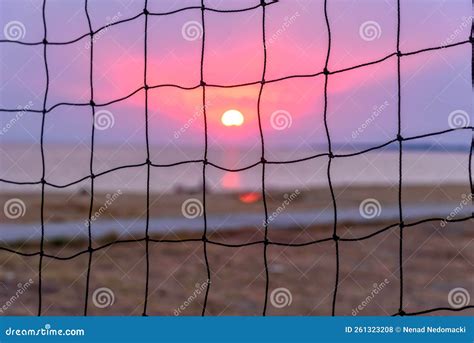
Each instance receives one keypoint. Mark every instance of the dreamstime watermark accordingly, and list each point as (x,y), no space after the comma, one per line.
(103,120)
(14,208)
(197,114)
(370,208)
(281,120)
(198,290)
(466,201)
(192,208)
(377,110)
(458,118)
(376,289)
(192,30)
(465,24)
(281,297)
(102,32)
(21,112)
(103,297)
(370,30)
(287,22)
(14,30)
(288,199)
(458,297)
(22,288)
(110,200)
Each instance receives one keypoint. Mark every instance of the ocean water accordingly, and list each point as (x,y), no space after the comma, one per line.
(65,165)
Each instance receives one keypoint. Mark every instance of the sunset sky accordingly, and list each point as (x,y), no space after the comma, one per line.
(434,84)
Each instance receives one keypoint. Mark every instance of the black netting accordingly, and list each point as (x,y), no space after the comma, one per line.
(401,224)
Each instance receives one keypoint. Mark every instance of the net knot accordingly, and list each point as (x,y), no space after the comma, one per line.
(92,103)
(145,11)
(202,83)
(93,176)
(90,250)
(263,160)
(147,161)
(43,181)
(336,237)
(330,155)
(399,137)
(326,71)
(263,3)
(399,53)
(402,224)
(204,238)
(262,81)
(45,41)
(146,87)
(401,312)
(205,161)
(471,39)
(266,242)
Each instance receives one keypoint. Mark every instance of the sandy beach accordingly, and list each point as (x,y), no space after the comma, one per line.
(437,258)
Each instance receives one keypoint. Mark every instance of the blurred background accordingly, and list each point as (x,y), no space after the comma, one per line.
(362,112)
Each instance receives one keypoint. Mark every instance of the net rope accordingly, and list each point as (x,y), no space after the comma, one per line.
(266,242)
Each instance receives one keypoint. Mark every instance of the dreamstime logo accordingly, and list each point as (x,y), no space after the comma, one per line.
(198,290)
(370,30)
(370,208)
(98,35)
(21,112)
(14,30)
(22,288)
(192,208)
(103,120)
(288,199)
(458,297)
(281,297)
(14,208)
(376,289)
(458,118)
(465,202)
(281,120)
(103,297)
(192,30)
(287,22)
(198,113)
(377,110)
(110,198)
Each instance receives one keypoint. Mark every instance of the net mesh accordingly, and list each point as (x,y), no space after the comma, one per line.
(402,225)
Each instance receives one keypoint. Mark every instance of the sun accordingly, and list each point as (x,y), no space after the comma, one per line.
(232,118)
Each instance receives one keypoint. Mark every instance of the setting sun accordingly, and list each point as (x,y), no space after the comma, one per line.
(232,118)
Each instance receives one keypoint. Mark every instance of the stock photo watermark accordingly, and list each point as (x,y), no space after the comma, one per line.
(102,209)
(192,30)
(14,208)
(376,289)
(370,208)
(14,30)
(101,33)
(199,289)
(22,288)
(287,22)
(281,120)
(281,297)
(192,208)
(103,297)
(18,115)
(458,297)
(370,30)
(376,111)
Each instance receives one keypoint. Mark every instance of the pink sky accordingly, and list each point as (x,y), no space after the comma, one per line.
(434,84)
